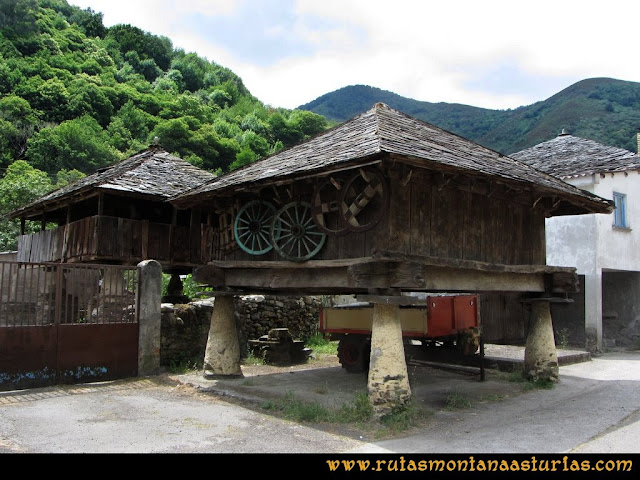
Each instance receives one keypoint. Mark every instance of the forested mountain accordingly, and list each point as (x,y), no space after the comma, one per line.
(600,109)
(77,95)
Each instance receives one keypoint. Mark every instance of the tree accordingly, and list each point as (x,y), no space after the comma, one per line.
(50,96)
(308,123)
(89,21)
(79,144)
(17,123)
(20,185)
(19,15)
(85,97)
(244,157)
(7,133)
(281,130)
(192,68)
(173,135)
(64,177)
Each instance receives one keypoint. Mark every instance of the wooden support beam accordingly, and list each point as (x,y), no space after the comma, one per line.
(385,275)
(403,300)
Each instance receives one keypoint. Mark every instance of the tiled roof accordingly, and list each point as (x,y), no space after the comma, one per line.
(152,172)
(383,130)
(567,156)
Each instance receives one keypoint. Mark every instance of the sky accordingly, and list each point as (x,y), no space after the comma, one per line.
(492,53)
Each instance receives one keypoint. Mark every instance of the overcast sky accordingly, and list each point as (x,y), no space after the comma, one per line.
(486,53)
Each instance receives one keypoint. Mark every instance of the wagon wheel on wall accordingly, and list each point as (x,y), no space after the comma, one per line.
(363,200)
(294,234)
(325,208)
(252,227)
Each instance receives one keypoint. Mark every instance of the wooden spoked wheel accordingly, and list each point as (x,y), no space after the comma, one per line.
(294,234)
(363,200)
(325,208)
(252,227)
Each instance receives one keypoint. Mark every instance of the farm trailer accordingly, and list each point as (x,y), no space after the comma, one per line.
(450,322)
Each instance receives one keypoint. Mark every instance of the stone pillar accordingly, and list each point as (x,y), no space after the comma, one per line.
(593,312)
(388,382)
(540,354)
(222,355)
(149,294)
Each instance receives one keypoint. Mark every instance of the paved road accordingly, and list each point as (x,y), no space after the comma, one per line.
(594,408)
(144,416)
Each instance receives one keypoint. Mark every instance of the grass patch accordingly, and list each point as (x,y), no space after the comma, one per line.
(251,359)
(529,384)
(517,376)
(183,364)
(540,384)
(496,397)
(402,419)
(457,401)
(357,413)
(321,345)
(299,411)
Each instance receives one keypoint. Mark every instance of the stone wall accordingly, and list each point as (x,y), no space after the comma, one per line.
(185,327)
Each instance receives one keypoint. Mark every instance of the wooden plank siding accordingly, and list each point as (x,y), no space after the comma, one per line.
(119,240)
(430,215)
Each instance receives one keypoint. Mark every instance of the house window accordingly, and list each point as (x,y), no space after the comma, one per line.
(620,212)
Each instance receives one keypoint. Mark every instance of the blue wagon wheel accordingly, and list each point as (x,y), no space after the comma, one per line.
(252,227)
(294,234)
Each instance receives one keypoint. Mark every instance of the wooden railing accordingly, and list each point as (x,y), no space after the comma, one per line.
(122,240)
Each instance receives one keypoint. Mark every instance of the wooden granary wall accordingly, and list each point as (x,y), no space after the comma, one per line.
(415,211)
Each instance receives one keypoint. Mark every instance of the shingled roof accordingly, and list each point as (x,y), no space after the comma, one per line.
(383,131)
(567,156)
(152,173)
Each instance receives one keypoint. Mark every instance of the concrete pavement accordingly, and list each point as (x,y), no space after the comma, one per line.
(595,407)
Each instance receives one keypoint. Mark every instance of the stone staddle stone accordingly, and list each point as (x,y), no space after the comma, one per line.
(222,355)
(388,382)
(540,354)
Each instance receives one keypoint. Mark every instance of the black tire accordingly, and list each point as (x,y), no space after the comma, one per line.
(353,353)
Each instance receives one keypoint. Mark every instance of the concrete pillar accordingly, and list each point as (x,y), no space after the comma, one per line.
(540,354)
(388,382)
(222,355)
(593,312)
(149,293)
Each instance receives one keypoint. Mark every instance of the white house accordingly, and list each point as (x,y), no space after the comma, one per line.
(603,247)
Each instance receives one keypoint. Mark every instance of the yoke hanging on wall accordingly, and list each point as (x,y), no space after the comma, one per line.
(325,207)
(364,200)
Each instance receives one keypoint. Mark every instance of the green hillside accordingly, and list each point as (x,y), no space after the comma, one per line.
(601,109)
(75,95)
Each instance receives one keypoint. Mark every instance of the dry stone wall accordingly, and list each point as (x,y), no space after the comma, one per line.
(185,327)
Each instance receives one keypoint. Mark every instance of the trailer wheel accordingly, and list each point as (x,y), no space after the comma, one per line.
(353,353)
